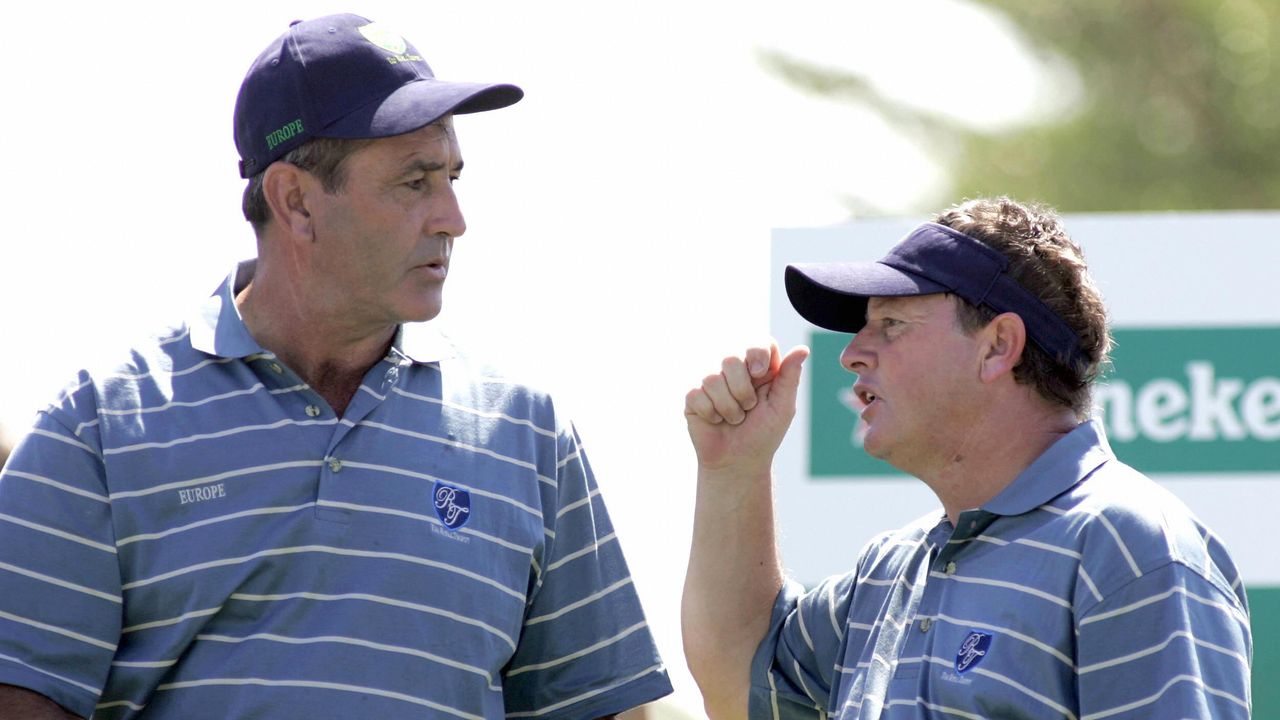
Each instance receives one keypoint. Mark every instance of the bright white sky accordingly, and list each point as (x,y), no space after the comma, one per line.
(619,216)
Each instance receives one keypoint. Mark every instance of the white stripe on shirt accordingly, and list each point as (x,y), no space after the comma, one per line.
(58,533)
(326,550)
(1159,693)
(320,685)
(1144,652)
(578,653)
(473,411)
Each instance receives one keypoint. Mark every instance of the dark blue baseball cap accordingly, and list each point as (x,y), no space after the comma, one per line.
(343,76)
(932,259)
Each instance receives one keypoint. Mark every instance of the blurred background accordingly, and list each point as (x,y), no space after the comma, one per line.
(620,216)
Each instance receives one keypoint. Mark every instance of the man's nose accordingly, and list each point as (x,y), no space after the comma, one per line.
(856,357)
(447,218)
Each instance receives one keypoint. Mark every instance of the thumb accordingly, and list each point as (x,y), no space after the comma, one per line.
(787,381)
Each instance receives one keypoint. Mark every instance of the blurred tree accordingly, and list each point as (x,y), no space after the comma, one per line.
(1178,108)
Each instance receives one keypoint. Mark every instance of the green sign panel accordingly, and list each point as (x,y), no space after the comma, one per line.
(835,449)
(1177,400)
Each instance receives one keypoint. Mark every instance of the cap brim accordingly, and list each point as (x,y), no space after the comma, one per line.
(834,295)
(420,103)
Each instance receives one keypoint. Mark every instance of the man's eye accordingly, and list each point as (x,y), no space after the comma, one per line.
(416,184)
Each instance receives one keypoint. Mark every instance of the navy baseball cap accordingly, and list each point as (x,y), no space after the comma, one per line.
(931,259)
(343,76)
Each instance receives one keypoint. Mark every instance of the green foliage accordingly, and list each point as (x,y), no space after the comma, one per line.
(1179,108)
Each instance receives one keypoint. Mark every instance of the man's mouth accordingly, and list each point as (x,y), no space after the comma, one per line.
(436,268)
(865,396)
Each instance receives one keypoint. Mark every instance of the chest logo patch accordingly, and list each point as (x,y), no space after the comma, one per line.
(974,648)
(453,505)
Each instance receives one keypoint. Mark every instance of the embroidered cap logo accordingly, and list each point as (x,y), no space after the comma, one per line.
(384,38)
(972,650)
(453,505)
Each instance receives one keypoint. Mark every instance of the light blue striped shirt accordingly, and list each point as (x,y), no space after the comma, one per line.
(195,534)
(1083,591)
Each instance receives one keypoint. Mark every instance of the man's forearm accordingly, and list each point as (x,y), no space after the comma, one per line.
(734,576)
(737,419)
(21,704)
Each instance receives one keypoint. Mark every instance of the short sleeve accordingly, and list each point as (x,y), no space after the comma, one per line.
(60,594)
(1168,644)
(794,667)
(585,650)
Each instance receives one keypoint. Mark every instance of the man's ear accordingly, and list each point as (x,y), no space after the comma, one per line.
(285,188)
(1004,339)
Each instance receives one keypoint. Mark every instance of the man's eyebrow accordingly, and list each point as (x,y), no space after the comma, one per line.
(419,165)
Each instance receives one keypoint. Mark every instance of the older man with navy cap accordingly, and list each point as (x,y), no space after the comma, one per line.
(1055,581)
(302,502)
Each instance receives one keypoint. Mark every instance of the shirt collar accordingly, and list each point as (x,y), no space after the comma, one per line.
(1068,461)
(422,342)
(218,329)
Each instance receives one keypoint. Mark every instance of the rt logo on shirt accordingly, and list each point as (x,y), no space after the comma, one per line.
(972,650)
(453,505)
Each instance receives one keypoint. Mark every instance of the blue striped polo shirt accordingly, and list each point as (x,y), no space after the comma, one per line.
(1083,591)
(195,534)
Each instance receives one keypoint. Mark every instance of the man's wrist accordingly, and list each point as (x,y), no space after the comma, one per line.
(736,473)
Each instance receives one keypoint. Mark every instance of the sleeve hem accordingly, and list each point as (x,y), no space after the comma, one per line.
(646,688)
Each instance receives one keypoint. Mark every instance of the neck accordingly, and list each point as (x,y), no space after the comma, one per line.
(991,452)
(329,354)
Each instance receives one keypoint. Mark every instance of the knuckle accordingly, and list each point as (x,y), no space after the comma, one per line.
(694,400)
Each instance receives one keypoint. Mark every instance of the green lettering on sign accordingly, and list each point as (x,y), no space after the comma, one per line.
(1195,400)
(1177,400)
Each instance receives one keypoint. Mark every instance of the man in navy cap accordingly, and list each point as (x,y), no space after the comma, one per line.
(303,502)
(1055,581)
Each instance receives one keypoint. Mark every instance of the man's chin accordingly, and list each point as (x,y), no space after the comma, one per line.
(421,312)
(424,317)
(874,446)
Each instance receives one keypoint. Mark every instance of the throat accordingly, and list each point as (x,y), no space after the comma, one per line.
(337,388)
(338,399)
(336,384)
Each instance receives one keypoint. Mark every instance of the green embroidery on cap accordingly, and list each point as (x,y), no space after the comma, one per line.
(276,137)
(384,38)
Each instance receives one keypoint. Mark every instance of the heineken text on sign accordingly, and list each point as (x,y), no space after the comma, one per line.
(1177,400)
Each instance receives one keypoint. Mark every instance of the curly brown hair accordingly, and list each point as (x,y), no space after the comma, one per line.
(1045,261)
